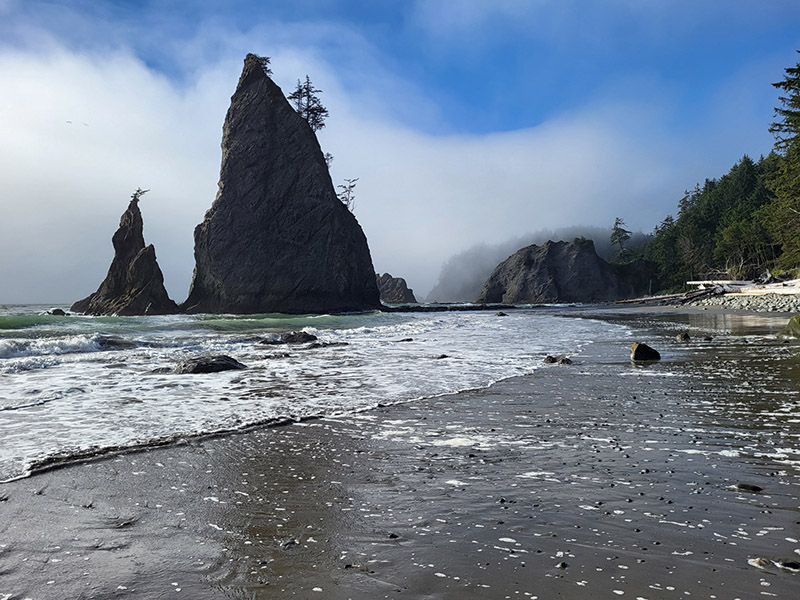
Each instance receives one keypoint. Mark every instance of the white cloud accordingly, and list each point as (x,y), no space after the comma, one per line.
(420,197)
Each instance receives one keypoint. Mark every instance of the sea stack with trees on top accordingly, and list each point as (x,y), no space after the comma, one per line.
(277,238)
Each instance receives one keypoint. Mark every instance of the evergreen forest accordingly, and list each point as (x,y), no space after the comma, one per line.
(744,225)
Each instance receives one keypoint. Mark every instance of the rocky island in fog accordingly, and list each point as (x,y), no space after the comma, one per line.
(563,272)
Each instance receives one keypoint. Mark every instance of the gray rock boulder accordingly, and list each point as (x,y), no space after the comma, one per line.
(208,364)
(559,272)
(394,290)
(277,239)
(134,284)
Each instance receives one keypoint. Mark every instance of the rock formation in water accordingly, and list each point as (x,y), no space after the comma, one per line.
(394,290)
(277,239)
(134,284)
(559,272)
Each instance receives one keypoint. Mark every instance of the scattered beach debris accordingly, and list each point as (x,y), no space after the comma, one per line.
(643,352)
(208,364)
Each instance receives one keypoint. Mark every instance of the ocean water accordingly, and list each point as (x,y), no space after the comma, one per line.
(76,386)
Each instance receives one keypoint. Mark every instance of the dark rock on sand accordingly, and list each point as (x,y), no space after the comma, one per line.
(748,487)
(792,566)
(565,272)
(208,364)
(134,284)
(394,290)
(277,239)
(643,352)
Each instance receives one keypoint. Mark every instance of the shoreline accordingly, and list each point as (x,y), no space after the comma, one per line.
(589,479)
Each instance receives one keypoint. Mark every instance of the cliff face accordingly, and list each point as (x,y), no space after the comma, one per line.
(134,284)
(559,272)
(276,239)
(394,290)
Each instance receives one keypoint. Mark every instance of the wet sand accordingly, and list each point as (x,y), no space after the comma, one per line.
(598,479)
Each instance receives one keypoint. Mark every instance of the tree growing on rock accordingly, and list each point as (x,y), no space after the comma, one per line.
(305,100)
(347,195)
(137,195)
(620,235)
(264,62)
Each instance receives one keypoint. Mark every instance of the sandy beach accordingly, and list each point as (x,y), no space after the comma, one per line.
(598,479)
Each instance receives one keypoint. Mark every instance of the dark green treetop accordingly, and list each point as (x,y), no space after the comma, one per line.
(787,126)
(305,99)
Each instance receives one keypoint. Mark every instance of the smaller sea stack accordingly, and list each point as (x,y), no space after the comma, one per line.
(134,284)
(394,290)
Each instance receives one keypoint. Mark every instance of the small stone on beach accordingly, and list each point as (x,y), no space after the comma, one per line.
(748,487)
(643,352)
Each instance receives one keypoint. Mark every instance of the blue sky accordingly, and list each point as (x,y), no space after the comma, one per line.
(465,121)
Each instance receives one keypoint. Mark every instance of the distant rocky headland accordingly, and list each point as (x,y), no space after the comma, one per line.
(560,272)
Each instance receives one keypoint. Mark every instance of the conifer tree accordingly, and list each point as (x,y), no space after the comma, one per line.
(305,99)
(783,215)
(620,235)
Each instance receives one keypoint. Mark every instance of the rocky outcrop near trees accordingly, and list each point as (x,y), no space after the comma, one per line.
(276,238)
(394,290)
(563,272)
(134,284)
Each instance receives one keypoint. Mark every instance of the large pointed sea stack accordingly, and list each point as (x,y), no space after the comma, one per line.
(276,239)
(134,284)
